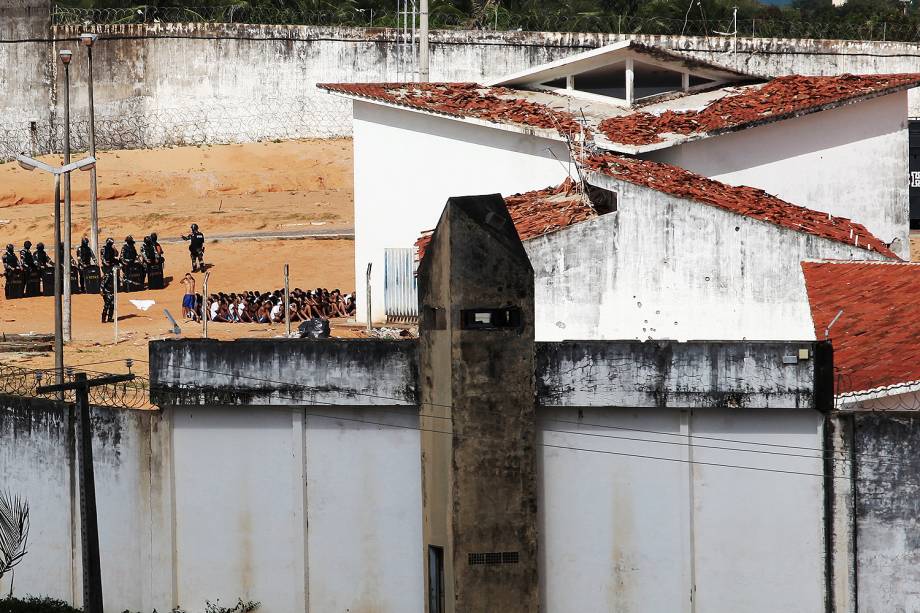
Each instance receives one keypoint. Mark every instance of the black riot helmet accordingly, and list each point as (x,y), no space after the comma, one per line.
(85,241)
(153,237)
(194,227)
(147,240)
(110,241)
(27,245)
(9,248)
(129,239)
(40,247)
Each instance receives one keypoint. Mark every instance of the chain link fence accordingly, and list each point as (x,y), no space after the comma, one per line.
(501,20)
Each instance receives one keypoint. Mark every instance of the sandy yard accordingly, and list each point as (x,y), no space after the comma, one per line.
(259,187)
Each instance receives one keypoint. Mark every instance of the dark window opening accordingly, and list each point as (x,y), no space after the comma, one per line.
(493,558)
(434,318)
(435,579)
(491,319)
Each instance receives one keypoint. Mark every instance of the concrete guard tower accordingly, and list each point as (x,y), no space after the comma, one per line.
(478,441)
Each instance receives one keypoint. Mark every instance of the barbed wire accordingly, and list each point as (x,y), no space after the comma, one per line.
(861,391)
(500,20)
(24,383)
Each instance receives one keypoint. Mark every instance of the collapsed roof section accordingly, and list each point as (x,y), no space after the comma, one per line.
(875,337)
(540,212)
(664,122)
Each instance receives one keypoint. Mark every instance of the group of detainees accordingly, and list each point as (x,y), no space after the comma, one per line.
(267,307)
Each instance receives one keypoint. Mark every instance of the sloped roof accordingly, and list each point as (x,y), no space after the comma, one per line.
(539,212)
(743,200)
(877,337)
(609,54)
(678,118)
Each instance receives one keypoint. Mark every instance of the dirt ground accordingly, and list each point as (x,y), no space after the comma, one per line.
(259,187)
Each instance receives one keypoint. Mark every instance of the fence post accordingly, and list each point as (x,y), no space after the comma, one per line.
(367,297)
(287,301)
(115,308)
(205,310)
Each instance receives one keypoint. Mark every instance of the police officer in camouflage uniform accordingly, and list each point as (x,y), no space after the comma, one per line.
(196,248)
(108,296)
(10,261)
(26,259)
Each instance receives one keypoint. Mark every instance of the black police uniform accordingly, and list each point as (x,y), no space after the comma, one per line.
(10,261)
(27,259)
(42,259)
(108,297)
(196,249)
(149,252)
(128,253)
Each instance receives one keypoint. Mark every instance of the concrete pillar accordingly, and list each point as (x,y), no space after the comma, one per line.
(476,363)
(630,87)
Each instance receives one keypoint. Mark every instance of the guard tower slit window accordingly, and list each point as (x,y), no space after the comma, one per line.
(505,318)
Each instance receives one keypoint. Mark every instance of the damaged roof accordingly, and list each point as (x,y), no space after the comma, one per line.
(539,212)
(876,339)
(743,200)
(666,121)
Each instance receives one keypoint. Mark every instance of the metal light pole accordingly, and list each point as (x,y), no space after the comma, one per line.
(66,56)
(31,164)
(88,40)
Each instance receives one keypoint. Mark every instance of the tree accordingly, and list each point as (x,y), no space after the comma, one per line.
(14,532)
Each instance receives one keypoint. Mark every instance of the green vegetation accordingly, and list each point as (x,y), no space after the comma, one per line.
(640,16)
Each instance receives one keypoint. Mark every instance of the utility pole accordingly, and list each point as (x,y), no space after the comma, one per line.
(205,311)
(66,55)
(89,522)
(88,40)
(30,164)
(287,301)
(423,61)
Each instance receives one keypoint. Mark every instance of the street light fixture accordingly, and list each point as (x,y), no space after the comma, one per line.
(88,40)
(66,56)
(30,164)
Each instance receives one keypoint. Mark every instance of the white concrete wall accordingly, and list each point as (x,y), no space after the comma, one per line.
(666,268)
(297,510)
(407,165)
(850,161)
(627,533)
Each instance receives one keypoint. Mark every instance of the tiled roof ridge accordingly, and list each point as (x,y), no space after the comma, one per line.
(780,97)
(861,262)
(464,99)
(743,200)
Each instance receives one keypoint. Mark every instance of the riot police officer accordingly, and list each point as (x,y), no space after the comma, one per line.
(109,255)
(148,252)
(10,261)
(42,259)
(85,259)
(26,259)
(157,248)
(108,296)
(196,247)
(128,251)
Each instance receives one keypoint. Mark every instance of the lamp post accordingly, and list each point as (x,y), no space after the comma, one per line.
(31,164)
(66,56)
(88,40)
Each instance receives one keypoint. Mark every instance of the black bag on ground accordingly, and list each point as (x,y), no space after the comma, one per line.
(314,328)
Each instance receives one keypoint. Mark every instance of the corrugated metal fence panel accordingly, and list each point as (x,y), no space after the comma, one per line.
(400,289)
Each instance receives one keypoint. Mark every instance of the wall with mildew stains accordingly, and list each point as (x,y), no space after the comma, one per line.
(37,462)
(666,268)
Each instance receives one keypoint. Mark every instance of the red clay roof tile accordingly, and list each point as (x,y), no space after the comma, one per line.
(493,104)
(743,200)
(539,212)
(877,338)
(780,97)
